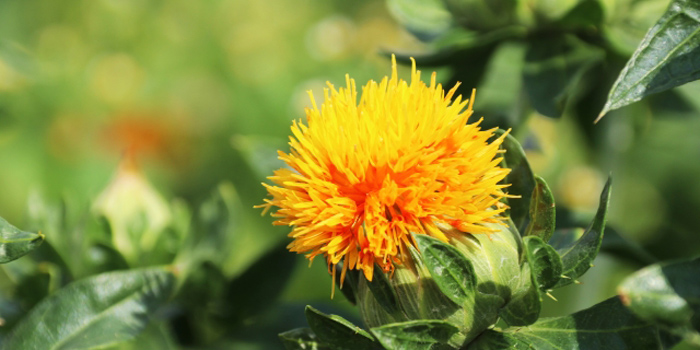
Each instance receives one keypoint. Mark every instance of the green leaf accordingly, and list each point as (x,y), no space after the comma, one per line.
(667,294)
(382,290)
(338,332)
(542,211)
(452,272)
(521,179)
(545,263)
(668,56)
(578,256)
(248,294)
(524,307)
(94,312)
(607,325)
(553,69)
(425,18)
(301,339)
(15,243)
(586,13)
(415,335)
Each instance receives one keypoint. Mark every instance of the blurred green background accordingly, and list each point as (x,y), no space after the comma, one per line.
(204,92)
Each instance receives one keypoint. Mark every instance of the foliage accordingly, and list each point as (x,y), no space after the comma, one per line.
(202,93)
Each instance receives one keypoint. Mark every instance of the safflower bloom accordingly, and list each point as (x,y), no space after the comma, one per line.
(364,176)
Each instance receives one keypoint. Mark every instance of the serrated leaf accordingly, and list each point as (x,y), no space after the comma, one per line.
(552,71)
(301,339)
(15,243)
(578,257)
(94,312)
(524,307)
(416,335)
(542,211)
(668,56)
(452,272)
(667,294)
(338,332)
(607,325)
(545,263)
(521,180)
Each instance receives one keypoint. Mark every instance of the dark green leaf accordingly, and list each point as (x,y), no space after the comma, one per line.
(521,180)
(415,335)
(383,291)
(545,264)
(94,312)
(586,13)
(301,339)
(553,68)
(248,294)
(607,325)
(452,272)
(667,294)
(668,56)
(15,243)
(622,247)
(524,307)
(338,332)
(542,211)
(578,257)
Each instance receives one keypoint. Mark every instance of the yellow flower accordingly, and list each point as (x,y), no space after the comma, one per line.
(364,176)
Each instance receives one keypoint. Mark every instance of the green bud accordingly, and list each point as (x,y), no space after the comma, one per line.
(493,261)
(137,214)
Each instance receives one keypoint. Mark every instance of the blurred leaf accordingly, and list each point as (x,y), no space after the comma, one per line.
(338,332)
(482,15)
(565,237)
(302,339)
(452,272)
(668,295)
(668,56)
(578,256)
(156,336)
(521,179)
(15,243)
(542,211)
(545,264)
(671,104)
(415,335)
(94,312)
(501,103)
(424,18)
(607,325)
(621,247)
(258,287)
(553,69)
(586,13)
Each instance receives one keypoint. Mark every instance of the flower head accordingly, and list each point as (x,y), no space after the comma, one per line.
(364,176)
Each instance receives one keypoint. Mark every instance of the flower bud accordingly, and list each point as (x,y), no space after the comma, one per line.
(136,213)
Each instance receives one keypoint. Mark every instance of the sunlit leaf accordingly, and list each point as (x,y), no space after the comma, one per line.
(668,56)
(667,294)
(452,272)
(416,335)
(94,312)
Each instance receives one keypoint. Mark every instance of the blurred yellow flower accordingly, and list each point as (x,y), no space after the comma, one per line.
(364,176)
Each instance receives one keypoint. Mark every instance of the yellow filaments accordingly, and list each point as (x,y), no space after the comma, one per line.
(364,176)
